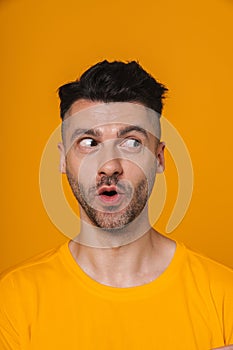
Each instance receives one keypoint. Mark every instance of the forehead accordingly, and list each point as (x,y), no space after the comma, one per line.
(86,115)
(80,105)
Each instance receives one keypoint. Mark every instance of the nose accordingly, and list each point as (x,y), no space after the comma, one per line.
(110,168)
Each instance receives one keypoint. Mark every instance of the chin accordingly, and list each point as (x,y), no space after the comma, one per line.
(113,222)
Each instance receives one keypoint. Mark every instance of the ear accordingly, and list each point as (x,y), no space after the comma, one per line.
(160,157)
(62,158)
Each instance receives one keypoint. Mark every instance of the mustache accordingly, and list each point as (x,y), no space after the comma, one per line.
(112,180)
(108,180)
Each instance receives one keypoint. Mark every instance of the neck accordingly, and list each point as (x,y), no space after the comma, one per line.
(132,264)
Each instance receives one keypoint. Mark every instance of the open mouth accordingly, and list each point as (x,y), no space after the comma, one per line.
(108,194)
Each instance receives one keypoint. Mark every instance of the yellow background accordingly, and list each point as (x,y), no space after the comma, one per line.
(187,45)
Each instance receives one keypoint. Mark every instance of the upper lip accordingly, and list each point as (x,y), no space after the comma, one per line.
(105,188)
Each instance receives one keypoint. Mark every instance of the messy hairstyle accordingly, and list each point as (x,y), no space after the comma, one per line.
(113,82)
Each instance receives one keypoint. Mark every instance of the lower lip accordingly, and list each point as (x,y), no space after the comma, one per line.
(110,199)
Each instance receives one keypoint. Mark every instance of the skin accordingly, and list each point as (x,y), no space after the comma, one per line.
(133,264)
(138,262)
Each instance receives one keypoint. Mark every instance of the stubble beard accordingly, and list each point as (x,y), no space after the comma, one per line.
(111,221)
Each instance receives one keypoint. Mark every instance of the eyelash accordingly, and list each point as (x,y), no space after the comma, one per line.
(87,138)
(96,142)
(133,139)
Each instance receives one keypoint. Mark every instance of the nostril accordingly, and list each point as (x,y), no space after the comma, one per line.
(112,167)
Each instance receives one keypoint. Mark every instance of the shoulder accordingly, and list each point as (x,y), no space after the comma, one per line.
(200,260)
(23,286)
(32,269)
(209,273)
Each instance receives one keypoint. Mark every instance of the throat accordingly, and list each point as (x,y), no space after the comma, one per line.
(128,266)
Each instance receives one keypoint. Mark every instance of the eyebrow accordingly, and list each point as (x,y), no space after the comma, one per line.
(120,133)
(78,132)
(131,128)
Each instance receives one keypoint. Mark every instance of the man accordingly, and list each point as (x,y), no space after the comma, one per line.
(118,284)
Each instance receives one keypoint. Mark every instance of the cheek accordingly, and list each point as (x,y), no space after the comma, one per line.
(135,175)
(82,168)
(133,172)
(72,164)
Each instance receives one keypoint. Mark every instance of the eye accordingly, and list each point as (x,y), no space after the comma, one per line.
(88,143)
(131,143)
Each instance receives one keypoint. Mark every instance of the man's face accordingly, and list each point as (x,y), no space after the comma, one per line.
(110,167)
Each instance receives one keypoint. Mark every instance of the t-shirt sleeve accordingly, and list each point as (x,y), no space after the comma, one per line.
(216,280)
(9,331)
(223,296)
(228,315)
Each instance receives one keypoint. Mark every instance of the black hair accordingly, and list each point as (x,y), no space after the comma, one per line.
(114,82)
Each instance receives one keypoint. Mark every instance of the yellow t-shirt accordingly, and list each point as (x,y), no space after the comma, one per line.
(50,303)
